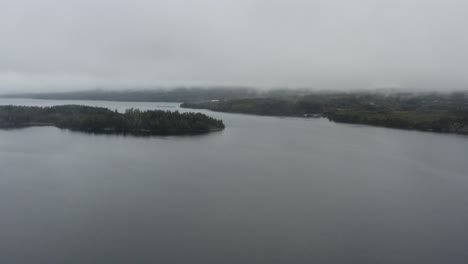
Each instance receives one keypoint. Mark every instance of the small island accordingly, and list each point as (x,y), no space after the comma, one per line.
(102,120)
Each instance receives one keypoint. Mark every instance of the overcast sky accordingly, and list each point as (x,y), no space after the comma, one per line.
(325,44)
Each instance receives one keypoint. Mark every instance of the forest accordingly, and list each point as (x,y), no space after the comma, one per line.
(103,120)
(438,112)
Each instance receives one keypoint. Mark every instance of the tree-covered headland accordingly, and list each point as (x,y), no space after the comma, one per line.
(103,120)
(438,112)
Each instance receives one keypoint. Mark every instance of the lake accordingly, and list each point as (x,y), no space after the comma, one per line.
(264,190)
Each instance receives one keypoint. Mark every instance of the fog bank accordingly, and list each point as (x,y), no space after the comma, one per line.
(65,45)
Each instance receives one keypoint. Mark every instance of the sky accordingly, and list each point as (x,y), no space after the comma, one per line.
(61,45)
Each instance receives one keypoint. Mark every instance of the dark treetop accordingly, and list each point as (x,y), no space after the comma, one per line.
(426,112)
(103,120)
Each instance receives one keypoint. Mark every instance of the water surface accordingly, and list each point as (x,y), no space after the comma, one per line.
(264,190)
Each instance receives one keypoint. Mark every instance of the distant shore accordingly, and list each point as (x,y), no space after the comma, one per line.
(443,113)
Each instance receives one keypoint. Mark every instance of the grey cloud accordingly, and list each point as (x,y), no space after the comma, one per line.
(323,44)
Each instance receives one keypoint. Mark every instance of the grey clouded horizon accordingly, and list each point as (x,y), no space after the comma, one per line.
(60,45)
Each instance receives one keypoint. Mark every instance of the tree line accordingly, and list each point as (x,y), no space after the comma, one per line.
(421,111)
(103,120)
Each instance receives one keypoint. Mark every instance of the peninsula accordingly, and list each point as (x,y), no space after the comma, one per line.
(434,112)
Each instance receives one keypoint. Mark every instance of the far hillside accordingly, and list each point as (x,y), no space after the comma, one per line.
(148,95)
(176,95)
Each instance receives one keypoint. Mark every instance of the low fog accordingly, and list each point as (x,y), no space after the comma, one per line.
(63,45)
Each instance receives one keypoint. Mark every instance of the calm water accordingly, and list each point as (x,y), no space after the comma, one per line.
(265,190)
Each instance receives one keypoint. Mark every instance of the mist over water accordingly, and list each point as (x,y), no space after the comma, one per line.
(264,190)
(63,45)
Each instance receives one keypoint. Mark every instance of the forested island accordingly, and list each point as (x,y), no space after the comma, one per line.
(419,111)
(103,120)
